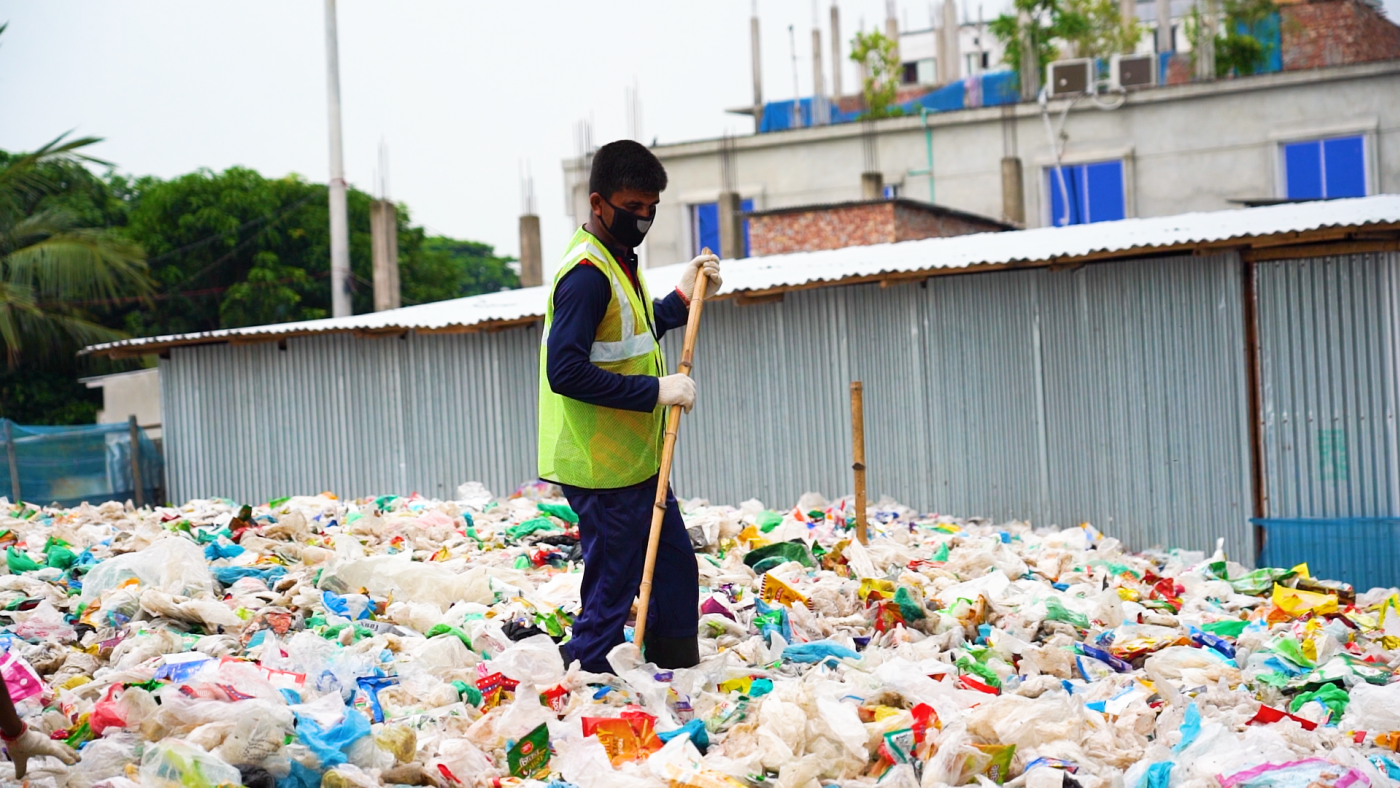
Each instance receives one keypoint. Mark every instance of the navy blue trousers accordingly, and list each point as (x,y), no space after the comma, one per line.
(613,526)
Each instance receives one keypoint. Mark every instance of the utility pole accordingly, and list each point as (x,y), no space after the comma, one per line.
(340,226)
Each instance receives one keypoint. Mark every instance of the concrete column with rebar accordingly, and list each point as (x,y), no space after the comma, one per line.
(531,255)
(384,248)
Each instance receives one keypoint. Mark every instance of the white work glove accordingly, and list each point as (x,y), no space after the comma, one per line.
(33,744)
(676,390)
(711,265)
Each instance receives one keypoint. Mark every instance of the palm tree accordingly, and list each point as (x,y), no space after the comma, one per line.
(50,267)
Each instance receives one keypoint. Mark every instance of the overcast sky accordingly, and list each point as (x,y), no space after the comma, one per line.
(464,93)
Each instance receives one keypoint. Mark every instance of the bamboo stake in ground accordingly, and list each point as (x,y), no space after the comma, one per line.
(858,449)
(663,479)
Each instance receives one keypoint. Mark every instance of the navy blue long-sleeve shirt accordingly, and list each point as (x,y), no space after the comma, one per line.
(580,301)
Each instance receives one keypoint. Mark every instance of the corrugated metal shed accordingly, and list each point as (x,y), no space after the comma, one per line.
(763,275)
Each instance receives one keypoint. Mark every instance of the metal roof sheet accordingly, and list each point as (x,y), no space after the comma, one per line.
(806,269)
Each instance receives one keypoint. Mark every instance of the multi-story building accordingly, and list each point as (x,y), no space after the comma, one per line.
(1325,125)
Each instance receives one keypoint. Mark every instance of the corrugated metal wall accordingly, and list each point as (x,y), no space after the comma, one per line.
(1329,335)
(355,416)
(1113,393)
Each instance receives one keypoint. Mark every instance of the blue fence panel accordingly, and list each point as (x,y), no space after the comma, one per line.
(70,465)
(1363,551)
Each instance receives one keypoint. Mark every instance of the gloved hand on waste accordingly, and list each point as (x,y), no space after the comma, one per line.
(33,744)
(676,390)
(816,652)
(710,263)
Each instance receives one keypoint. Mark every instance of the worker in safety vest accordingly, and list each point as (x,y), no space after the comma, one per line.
(603,390)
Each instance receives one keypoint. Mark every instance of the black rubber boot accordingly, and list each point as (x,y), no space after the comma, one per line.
(673,653)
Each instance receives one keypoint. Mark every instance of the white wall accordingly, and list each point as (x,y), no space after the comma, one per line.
(128,393)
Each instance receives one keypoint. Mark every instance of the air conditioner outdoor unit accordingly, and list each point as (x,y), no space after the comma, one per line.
(1070,77)
(1133,71)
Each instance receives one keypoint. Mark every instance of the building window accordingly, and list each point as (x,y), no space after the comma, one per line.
(928,72)
(704,226)
(1095,193)
(1325,169)
(911,73)
(975,62)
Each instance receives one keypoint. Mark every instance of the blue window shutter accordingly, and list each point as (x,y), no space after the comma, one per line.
(1302,165)
(706,226)
(1104,185)
(746,206)
(1344,167)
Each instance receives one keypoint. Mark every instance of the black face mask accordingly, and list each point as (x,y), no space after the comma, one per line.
(627,228)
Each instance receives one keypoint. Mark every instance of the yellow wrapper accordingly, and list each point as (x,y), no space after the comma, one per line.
(774,590)
(740,685)
(879,588)
(1297,603)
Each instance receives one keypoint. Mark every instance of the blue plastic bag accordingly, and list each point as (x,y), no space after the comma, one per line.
(331,745)
(695,729)
(818,651)
(1190,727)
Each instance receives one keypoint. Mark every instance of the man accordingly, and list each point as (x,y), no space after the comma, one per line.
(603,391)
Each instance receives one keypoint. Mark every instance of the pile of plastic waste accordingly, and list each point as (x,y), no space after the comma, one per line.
(312,641)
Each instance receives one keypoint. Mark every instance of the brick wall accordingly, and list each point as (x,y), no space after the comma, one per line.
(1334,33)
(911,224)
(858,224)
(826,228)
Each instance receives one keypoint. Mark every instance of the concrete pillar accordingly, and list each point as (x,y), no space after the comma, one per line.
(872,186)
(1127,9)
(384,244)
(757,72)
(837,64)
(1164,30)
(1205,52)
(531,256)
(731,227)
(949,47)
(1013,192)
(892,28)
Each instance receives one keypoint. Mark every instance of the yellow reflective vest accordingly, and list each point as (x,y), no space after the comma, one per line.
(587,445)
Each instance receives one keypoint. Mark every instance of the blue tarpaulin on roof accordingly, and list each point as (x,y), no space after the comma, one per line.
(982,90)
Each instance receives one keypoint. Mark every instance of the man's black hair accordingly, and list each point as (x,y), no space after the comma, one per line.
(625,165)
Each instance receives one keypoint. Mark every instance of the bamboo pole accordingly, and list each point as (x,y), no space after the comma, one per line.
(135,433)
(668,448)
(858,450)
(14,463)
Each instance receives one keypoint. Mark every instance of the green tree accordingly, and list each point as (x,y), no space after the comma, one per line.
(875,52)
(1090,28)
(236,249)
(461,267)
(1097,29)
(1237,50)
(53,266)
